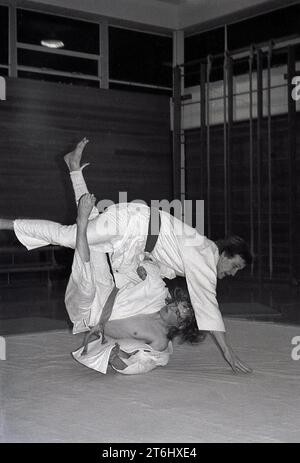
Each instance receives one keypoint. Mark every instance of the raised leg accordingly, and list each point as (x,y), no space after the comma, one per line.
(73,161)
(36,233)
(98,258)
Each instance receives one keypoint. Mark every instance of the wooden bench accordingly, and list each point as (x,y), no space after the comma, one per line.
(17,259)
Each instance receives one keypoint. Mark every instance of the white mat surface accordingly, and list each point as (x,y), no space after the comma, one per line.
(47,397)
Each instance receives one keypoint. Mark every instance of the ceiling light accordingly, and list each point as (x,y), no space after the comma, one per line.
(52,43)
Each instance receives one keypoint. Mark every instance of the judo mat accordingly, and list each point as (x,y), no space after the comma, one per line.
(30,325)
(248,310)
(46,396)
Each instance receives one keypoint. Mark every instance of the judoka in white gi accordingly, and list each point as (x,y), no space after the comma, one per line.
(144,340)
(180,250)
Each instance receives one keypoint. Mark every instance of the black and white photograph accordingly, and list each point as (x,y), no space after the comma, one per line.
(149,225)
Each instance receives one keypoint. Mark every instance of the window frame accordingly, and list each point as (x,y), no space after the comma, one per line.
(3,65)
(58,52)
(103,58)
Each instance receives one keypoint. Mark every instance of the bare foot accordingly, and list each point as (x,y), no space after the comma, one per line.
(85,205)
(73,158)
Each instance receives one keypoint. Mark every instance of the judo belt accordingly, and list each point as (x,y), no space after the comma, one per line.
(108,306)
(110,267)
(152,239)
(149,246)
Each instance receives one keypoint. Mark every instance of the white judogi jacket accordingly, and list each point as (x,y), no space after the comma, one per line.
(88,290)
(180,250)
(194,256)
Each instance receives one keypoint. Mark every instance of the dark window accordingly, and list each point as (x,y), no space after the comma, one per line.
(3,72)
(76,35)
(3,35)
(275,25)
(192,72)
(198,47)
(140,57)
(59,79)
(208,43)
(57,62)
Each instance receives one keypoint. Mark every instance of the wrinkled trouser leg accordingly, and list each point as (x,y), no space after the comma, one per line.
(87,292)
(33,233)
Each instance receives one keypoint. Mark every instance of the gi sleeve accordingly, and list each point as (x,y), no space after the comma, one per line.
(201,276)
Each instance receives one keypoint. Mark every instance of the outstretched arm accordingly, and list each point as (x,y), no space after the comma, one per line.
(201,276)
(231,358)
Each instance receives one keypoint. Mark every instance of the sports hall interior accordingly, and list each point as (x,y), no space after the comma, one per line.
(189,100)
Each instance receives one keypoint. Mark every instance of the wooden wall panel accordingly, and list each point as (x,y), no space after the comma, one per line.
(129,150)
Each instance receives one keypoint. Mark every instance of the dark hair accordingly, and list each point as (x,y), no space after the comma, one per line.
(188,330)
(234,245)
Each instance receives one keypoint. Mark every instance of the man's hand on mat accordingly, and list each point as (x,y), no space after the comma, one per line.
(235,363)
(231,358)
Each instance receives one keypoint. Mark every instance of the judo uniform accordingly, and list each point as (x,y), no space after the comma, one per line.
(90,284)
(122,231)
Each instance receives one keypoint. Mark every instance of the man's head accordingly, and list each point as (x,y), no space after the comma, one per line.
(234,256)
(179,316)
